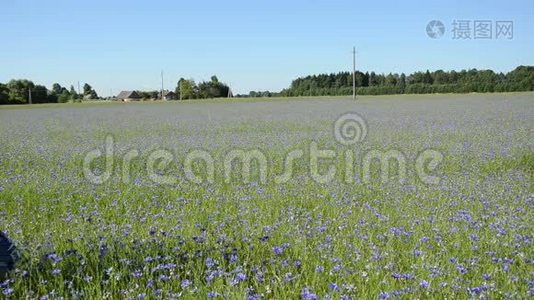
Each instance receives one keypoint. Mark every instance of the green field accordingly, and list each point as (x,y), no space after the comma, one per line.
(149,231)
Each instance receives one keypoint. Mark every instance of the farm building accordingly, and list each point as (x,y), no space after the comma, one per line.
(128,96)
(169,95)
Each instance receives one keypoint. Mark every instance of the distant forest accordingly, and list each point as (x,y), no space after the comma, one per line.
(465,81)
(339,84)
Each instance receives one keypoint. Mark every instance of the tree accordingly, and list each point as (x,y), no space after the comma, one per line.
(40,94)
(402,82)
(64,97)
(89,92)
(391,79)
(177,89)
(187,88)
(427,78)
(4,94)
(57,89)
(372,79)
(440,77)
(73,95)
(19,90)
(87,89)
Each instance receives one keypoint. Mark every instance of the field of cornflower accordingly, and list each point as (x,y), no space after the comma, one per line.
(468,236)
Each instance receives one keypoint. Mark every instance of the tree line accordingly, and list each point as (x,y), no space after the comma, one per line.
(188,89)
(22,91)
(465,81)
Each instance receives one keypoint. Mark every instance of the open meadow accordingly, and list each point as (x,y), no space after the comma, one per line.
(151,200)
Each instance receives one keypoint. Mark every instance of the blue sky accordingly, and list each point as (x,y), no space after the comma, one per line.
(252,45)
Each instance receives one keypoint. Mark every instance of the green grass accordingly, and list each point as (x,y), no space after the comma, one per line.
(468,237)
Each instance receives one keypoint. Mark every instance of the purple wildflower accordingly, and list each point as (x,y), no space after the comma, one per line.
(278,250)
(185,283)
(210,262)
(306,294)
(333,286)
(212,294)
(8,292)
(424,284)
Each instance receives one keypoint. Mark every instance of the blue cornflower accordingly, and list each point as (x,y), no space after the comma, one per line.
(461,269)
(233,257)
(212,294)
(384,295)
(288,277)
(8,292)
(240,277)
(424,284)
(403,276)
(185,283)
(164,277)
(278,250)
(210,262)
(54,257)
(103,249)
(306,294)
(337,268)
(333,286)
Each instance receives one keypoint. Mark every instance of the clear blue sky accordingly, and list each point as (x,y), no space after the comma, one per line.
(252,45)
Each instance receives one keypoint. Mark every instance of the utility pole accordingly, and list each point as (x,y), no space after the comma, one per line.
(29,95)
(230,94)
(354,73)
(161,84)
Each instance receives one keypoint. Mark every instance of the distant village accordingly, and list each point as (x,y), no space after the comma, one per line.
(127,96)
